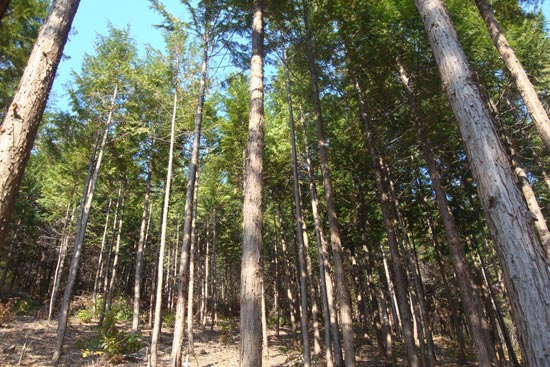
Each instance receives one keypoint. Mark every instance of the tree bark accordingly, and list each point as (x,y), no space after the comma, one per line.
(139,251)
(86,205)
(250,348)
(344,299)
(471,301)
(20,125)
(384,200)
(299,225)
(188,211)
(157,324)
(524,266)
(61,259)
(519,76)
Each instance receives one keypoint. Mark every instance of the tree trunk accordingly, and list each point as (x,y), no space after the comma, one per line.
(61,259)
(384,200)
(87,197)
(157,324)
(189,196)
(20,124)
(99,270)
(112,279)
(145,215)
(477,322)
(519,76)
(191,283)
(329,309)
(299,225)
(524,266)
(344,301)
(250,348)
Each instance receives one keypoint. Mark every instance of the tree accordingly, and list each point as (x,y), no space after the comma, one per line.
(20,124)
(526,274)
(250,348)
(519,76)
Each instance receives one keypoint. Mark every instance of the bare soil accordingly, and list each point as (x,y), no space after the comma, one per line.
(28,341)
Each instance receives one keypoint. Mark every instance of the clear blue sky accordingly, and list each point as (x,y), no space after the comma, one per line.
(92,19)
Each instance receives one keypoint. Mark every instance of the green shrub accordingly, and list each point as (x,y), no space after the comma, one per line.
(110,340)
(169,319)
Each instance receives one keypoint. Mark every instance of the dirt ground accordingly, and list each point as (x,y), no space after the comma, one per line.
(30,342)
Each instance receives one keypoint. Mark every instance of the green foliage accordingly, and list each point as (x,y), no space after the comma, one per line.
(110,341)
(18,32)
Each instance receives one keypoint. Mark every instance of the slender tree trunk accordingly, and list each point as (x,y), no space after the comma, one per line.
(525,269)
(384,200)
(191,283)
(112,279)
(107,267)
(99,270)
(20,124)
(214,273)
(299,226)
(157,324)
(265,345)
(187,223)
(329,310)
(87,197)
(344,301)
(61,259)
(250,348)
(477,322)
(519,76)
(206,279)
(139,251)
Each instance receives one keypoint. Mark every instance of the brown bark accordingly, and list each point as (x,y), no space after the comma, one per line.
(344,299)
(139,251)
(157,324)
(477,323)
(385,205)
(85,206)
(519,76)
(299,225)
(189,205)
(526,272)
(20,125)
(250,348)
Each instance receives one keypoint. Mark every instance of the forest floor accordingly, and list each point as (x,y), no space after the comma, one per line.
(29,341)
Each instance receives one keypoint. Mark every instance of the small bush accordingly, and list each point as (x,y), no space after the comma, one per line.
(110,341)
(169,319)
(122,309)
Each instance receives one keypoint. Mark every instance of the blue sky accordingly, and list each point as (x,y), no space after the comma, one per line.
(92,19)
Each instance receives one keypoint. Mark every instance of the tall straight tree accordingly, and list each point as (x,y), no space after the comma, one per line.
(250,348)
(344,299)
(526,273)
(25,112)
(523,84)
(190,197)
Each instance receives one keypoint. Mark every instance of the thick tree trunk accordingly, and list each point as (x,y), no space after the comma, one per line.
(344,299)
(157,324)
(525,269)
(299,225)
(523,84)
(477,322)
(20,125)
(250,348)
(86,205)
(139,251)
(188,211)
